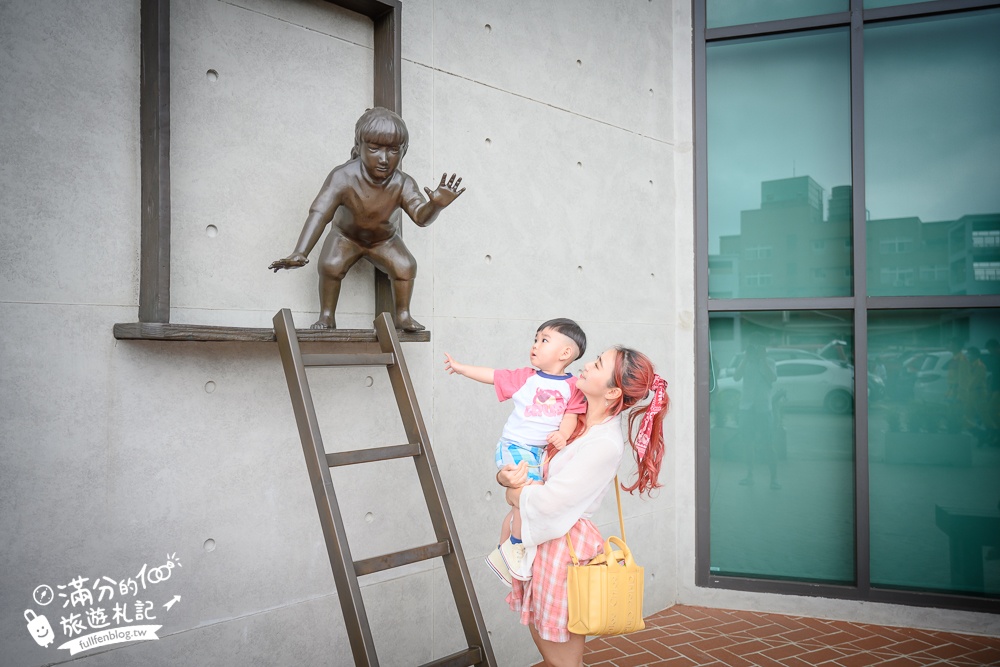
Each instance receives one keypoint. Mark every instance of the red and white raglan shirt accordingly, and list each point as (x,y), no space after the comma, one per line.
(540,401)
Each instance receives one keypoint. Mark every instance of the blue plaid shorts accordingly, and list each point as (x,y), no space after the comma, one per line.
(509,451)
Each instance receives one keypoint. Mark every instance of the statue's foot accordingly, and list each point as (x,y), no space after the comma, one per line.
(323,324)
(407,323)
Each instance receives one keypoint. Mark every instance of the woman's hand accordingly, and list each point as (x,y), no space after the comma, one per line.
(513,476)
(514,497)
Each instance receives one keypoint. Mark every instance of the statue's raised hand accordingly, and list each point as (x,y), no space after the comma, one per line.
(447,191)
(290,262)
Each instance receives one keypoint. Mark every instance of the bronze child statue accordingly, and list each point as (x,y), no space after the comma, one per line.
(360,197)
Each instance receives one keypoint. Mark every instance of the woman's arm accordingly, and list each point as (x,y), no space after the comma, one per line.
(548,511)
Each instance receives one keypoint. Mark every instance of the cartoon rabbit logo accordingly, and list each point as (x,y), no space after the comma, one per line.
(39,628)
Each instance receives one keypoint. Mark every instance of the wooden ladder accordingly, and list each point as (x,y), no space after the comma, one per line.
(388,353)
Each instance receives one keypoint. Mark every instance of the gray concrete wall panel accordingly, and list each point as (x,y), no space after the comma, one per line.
(604,60)
(69,152)
(564,192)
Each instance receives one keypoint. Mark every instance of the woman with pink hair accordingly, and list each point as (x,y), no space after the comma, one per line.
(577,478)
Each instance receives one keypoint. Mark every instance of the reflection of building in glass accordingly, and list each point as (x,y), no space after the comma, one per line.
(788,247)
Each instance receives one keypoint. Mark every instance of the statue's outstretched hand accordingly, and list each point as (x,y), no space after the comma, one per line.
(447,191)
(290,262)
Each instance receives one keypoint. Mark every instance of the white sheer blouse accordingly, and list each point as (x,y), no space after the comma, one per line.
(578,478)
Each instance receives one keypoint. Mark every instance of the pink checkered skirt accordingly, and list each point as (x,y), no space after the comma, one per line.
(542,602)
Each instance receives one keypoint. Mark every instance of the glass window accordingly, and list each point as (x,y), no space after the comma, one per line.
(782,445)
(934,450)
(932,154)
(779,165)
(721,13)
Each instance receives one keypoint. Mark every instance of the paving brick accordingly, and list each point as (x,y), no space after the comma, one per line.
(731,659)
(731,627)
(680,638)
(781,651)
(820,656)
(699,656)
(800,636)
(874,643)
(858,660)
(603,654)
(986,656)
(644,658)
(659,649)
(900,661)
(680,661)
(745,647)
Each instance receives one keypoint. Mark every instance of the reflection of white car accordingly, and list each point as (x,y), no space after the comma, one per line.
(775,354)
(931,385)
(805,383)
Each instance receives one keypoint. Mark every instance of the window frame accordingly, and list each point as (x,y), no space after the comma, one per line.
(154,132)
(859,304)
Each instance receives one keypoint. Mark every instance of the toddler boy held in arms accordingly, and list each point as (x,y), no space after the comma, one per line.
(546,405)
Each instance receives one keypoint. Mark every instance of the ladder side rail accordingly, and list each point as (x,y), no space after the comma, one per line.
(433,489)
(334,533)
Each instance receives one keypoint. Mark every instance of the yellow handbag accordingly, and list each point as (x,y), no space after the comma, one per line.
(605,596)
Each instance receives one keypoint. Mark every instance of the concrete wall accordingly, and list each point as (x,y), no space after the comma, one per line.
(120,454)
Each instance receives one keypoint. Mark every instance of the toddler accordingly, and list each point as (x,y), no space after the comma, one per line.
(546,403)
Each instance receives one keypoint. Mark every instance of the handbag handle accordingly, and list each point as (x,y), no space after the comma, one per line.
(621,523)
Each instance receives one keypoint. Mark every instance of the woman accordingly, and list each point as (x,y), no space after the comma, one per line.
(576,480)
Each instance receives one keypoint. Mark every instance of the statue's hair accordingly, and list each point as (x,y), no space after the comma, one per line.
(380,126)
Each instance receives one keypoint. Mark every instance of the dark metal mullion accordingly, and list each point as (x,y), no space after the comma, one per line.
(782,303)
(927,302)
(703,479)
(926,9)
(785,587)
(862,495)
(777,27)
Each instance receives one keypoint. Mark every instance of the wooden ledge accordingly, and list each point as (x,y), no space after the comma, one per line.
(210,333)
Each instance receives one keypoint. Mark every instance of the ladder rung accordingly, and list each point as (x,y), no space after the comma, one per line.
(401,558)
(375,454)
(380,359)
(464,658)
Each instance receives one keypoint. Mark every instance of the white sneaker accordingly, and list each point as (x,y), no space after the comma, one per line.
(518,559)
(499,567)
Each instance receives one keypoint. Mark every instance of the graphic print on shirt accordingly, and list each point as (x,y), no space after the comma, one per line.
(547,403)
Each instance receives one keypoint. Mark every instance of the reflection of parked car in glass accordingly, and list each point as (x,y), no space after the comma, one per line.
(775,354)
(804,383)
(931,383)
(901,372)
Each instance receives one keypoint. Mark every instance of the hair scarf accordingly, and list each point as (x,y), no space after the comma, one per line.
(659,389)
